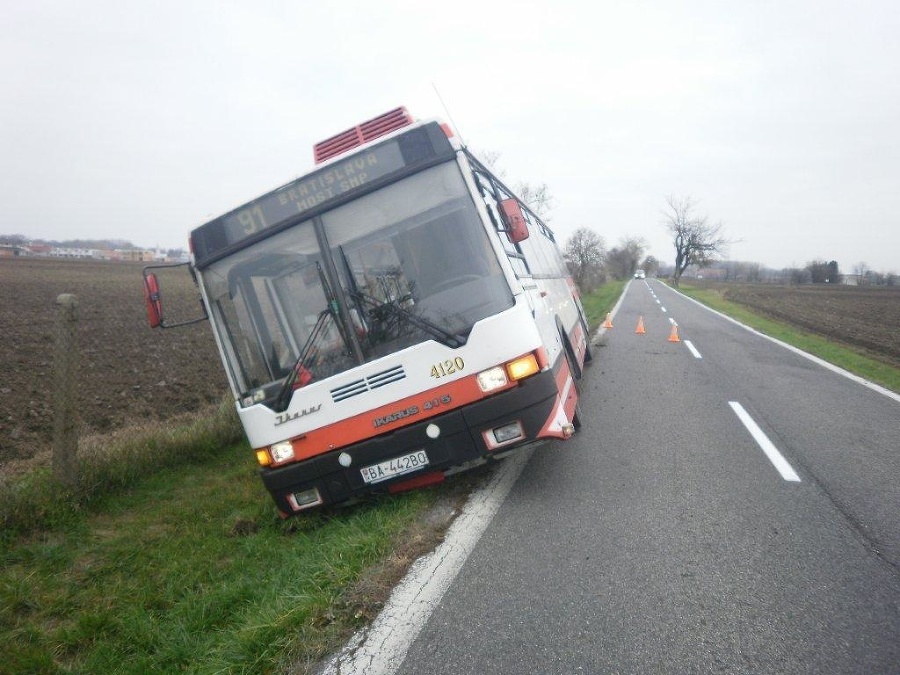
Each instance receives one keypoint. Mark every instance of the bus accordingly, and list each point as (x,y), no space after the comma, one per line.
(393,316)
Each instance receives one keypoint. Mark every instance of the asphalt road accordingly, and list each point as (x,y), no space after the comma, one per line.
(663,539)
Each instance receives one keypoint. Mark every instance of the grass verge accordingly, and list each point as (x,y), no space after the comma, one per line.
(601,301)
(192,571)
(109,463)
(843,356)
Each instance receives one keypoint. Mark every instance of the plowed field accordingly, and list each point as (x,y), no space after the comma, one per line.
(129,373)
(865,317)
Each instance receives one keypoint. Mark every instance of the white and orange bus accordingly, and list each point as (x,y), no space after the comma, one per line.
(391,316)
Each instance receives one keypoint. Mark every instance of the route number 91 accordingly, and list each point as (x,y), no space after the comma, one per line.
(447,367)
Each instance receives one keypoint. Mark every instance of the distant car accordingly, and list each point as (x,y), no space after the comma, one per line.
(640,274)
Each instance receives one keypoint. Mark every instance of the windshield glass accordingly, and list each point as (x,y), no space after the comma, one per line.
(408,263)
(419,249)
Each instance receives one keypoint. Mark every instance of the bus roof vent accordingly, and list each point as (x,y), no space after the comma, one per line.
(362,133)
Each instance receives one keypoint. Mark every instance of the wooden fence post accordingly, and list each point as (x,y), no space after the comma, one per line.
(65,415)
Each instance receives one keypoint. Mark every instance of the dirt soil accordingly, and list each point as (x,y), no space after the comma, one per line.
(865,317)
(128,372)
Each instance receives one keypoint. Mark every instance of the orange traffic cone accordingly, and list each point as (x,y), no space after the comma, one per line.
(673,336)
(640,327)
(608,322)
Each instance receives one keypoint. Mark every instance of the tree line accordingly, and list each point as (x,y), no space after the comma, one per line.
(699,244)
(696,241)
(102,244)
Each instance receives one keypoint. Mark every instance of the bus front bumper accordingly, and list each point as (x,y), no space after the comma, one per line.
(510,419)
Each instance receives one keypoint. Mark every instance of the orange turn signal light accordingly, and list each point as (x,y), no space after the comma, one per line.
(522,367)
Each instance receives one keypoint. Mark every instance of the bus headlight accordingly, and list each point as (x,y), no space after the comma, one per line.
(282,452)
(494,378)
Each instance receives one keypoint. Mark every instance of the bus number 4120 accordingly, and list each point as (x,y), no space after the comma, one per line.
(447,367)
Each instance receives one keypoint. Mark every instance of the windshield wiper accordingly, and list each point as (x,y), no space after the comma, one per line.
(442,335)
(309,349)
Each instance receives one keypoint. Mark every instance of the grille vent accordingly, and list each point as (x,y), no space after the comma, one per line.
(375,381)
(362,133)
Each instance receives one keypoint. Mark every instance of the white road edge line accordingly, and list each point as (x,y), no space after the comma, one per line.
(780,463)
(690,346)
(380,649)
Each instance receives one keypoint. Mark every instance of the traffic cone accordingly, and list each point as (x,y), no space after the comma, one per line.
(608,322)
(640,327)
(673,336)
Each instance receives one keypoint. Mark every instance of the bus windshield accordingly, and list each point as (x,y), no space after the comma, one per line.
(404,264)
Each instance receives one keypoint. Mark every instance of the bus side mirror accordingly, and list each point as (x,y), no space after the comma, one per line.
(514,219)
(153,299)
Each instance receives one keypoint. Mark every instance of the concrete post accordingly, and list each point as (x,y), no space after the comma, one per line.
(65,415)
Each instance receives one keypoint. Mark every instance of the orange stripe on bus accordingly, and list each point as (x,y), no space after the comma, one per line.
(565,384)
(363,426)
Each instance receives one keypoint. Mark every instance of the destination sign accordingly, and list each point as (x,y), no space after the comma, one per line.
(309,193)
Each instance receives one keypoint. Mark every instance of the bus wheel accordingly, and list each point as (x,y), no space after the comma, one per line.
(570,358)
(588,357)
(576,414)
(576,374)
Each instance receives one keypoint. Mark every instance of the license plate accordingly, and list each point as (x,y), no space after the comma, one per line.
(394,467)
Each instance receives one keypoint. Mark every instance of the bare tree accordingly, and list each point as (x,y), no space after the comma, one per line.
(584,253)
(491,159)
(735,270)
(822,272)
(537,197)
(623,260)
(650,265)
(696,241)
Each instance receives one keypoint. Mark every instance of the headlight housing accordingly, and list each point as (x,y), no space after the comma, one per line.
(281,452)
(499,377)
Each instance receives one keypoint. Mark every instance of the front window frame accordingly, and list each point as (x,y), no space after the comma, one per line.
(338,293)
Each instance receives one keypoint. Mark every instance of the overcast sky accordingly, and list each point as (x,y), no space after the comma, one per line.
(781,118)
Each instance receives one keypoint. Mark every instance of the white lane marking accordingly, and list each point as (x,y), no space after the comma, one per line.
(664,309)
(799,352)
(380,648)
(672,321)
(693,349)
(780,463)
(658,301)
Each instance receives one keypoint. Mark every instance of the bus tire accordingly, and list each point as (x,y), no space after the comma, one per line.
(576,376)
(569,353)
(588,356)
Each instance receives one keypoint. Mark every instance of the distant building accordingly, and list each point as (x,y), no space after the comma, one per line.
(50,251)
(12,251)
(135,255)
(65,252)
